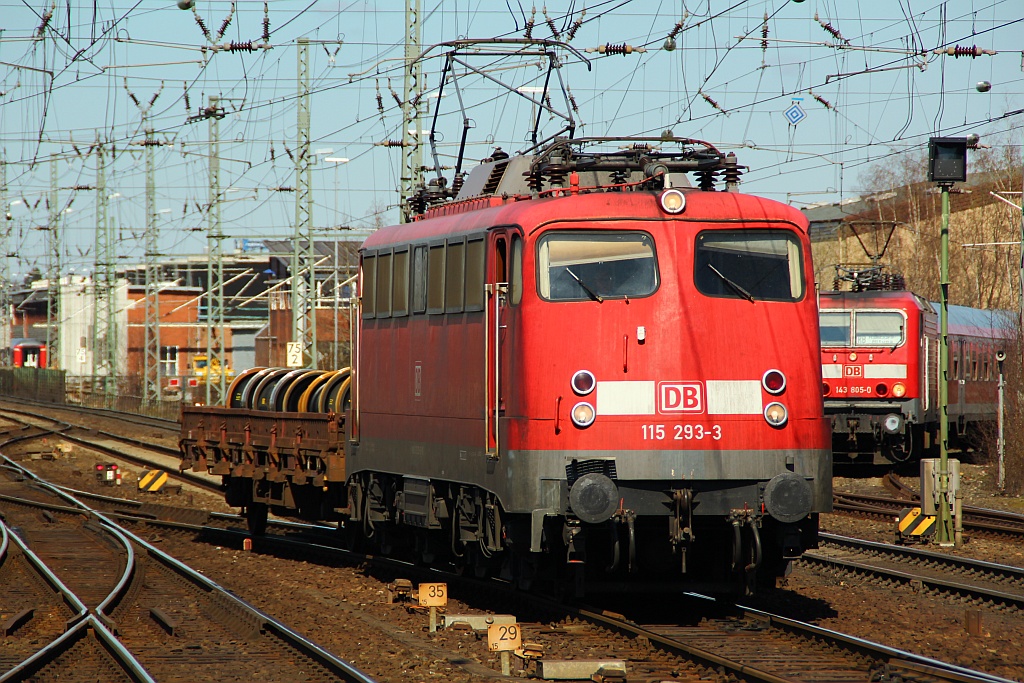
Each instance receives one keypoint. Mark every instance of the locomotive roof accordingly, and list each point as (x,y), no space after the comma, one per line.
(963,320)
(474,215)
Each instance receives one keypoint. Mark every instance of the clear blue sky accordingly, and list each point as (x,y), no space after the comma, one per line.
(881,102)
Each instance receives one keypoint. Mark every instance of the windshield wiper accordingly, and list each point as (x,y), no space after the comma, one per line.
(732,285)
(597,297)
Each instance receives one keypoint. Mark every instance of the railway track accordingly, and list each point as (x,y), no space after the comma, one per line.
(730,640)
(983,583)
(138,451)
(984,521)
(172,426)
(141,604)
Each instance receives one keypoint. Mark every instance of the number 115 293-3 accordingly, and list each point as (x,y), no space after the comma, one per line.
(681,432)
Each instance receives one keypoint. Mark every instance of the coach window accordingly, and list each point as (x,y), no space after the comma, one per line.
(435,279)
(516,271)
(475,275)
(369,282)
(878,328)
(835,328)
(419,279)
(383,306)
(755,265)
(455,262)
(592,266)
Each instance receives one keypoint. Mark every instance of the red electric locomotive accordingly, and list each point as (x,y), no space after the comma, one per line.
(579,365)
(880,370)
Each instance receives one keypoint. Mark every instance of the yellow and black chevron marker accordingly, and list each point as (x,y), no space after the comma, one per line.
(152,481)
(913,527)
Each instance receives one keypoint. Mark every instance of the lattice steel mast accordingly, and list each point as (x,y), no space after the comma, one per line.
(412,151)
(215,392)
(151,355)
(53,272)
(5,269)
(104,353)
(304,289)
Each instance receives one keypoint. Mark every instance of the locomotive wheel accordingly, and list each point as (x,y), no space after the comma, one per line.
(256,518)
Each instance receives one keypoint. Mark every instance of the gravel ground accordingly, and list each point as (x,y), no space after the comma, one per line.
(345,609)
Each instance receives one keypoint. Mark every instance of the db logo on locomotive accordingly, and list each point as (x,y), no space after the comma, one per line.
(681,397)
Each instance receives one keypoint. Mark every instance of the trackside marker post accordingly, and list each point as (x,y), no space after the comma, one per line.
(433,595)
(504,638)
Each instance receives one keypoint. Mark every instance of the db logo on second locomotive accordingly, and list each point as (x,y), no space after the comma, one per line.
(680,397)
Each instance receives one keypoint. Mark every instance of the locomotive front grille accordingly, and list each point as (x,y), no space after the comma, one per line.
(577,468)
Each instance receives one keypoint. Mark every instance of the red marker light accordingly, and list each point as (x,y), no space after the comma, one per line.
(774,382)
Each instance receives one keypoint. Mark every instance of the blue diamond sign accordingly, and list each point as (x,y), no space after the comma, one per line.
(795,114)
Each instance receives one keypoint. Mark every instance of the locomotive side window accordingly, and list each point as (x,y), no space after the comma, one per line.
(516,276)
(419,279)
(435,279)
(383,307)
(400,284)
(835,328)
(875,328)
(369,282)
(590,266)
(475,253)
(747,264)
(453,276)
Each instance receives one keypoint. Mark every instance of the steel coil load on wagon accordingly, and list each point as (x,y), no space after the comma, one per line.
(334,397)
(260,397)
(248,390)
(278,392)
(311,394)
(290,391)
(236,391)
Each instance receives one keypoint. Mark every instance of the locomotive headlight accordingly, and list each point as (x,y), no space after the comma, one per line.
(899,390)
(776,414)
(881,389)
(774,382)
(583,382)
(583,414)
(892,423)
(825,389)
(673,201)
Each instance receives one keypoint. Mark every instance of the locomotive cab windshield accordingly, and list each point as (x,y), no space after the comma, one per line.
(872,329)
(583,265)
(761,265)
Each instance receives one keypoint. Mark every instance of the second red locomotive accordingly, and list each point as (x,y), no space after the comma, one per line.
(880,369)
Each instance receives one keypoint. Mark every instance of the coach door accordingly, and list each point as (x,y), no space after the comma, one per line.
(499,333)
